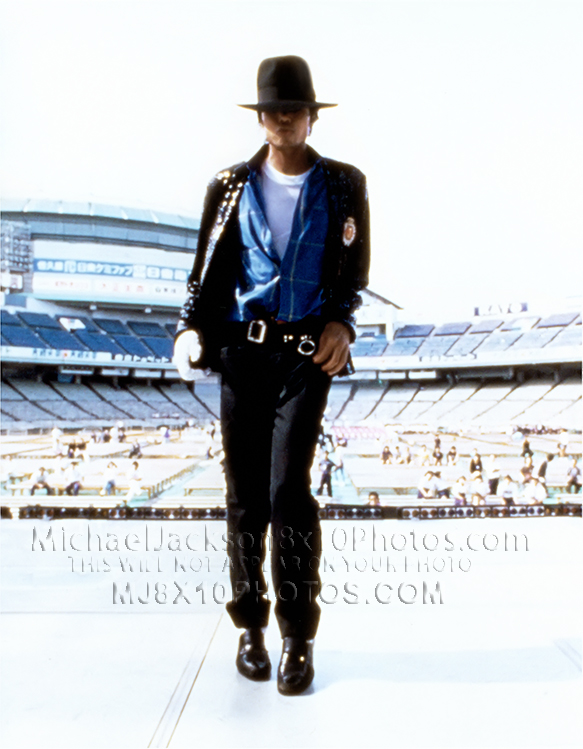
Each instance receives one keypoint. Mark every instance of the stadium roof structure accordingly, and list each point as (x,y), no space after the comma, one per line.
(98,222)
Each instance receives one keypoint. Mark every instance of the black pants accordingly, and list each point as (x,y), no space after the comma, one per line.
(325,483)
(272,403)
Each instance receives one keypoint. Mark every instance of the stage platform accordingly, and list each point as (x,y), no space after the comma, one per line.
(434,633)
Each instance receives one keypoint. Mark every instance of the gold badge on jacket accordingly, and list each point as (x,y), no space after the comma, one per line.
(349,231)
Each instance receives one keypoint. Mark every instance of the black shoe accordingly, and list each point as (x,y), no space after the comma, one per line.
(252,657)
(296,668)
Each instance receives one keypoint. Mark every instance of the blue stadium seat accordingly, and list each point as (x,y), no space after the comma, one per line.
(20,336)
(171,328)
(570,336)
(535,339)
(147,329)
(39,320)
(452,328)
(99,342)
(521,323)
(499,341)
(414,331)
(560,320)
(162,347)
(60,339)
(132,345)
(439,346)
(466,344)
(369,345)
(7,318)
(116,327)
(486,326)
(403,347)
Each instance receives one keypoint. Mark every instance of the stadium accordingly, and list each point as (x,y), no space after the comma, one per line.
(91,295)
(90,398)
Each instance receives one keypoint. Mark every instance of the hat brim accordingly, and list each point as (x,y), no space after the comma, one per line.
(279,106)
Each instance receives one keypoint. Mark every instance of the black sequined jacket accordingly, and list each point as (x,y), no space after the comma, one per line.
(210,289)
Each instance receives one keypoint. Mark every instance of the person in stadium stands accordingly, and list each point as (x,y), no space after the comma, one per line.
(406,453)
(574,477)
(109,479)
(476,462)
(134,478)
(427,488)
(327,466)
(493,475)
(563,444)
(437,456)
(526,469)
(459,491)
(452,456)
(423,456)
(283,252)
(135,450)
(526,451)
(338,455)
(73,479)
(442,486)
(534,493)
(373,499)
(507,490)
(56,440)
(542,469)
(478,489)
(40,480)
(386,455)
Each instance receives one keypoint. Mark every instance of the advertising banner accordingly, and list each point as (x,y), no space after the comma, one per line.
(79,271)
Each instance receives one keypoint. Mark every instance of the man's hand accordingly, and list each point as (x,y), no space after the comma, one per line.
(187,351)
(334,348)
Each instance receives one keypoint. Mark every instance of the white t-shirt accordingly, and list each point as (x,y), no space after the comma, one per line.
(281,193)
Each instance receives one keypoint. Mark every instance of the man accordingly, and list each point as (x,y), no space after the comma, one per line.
(73,479)
(459,492)
(40,480)
(283,252)
(427,488)
(326,467)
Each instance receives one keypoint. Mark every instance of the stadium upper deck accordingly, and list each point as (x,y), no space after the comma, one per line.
(91,294)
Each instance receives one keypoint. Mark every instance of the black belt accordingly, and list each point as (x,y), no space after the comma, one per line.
(299,336)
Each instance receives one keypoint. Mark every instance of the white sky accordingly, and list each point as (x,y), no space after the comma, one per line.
(465,116)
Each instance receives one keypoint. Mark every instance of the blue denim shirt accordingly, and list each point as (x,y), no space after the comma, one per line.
(288,289)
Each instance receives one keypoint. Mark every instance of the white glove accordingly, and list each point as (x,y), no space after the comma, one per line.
(187,351)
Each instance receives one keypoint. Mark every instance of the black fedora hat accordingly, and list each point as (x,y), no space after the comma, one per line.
(285,83)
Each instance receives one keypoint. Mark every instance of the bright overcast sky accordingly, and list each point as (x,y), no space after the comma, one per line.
(465,116)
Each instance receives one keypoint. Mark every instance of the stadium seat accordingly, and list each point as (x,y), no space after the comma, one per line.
(17,335)
(162,347)
(147,329)
(99,342)
(60,339)
(414,331)
(132,345)
(112,326)
(38,320)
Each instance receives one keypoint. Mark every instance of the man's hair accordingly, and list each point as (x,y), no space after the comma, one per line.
(313,115)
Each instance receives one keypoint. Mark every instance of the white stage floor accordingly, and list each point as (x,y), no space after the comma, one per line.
(496,664)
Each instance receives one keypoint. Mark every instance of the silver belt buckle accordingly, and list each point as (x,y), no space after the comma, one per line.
(306,346)
(257,331)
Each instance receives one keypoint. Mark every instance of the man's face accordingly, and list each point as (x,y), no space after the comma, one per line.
(286,129)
